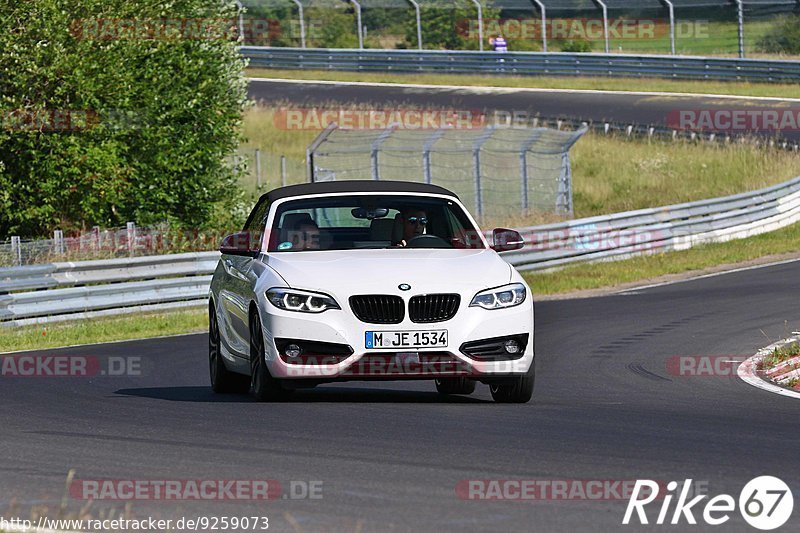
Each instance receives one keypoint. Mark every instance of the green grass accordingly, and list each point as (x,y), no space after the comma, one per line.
(639,269)
(109,329)
(545,82)
(779,355)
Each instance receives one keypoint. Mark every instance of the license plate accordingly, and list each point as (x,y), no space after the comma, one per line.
(376,340)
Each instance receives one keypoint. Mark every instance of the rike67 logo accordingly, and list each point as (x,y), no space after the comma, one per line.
(765,503)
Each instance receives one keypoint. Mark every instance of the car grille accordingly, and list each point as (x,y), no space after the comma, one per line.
(378,308)
(430,308)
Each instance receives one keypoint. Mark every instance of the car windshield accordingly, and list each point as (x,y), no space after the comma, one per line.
(371,222)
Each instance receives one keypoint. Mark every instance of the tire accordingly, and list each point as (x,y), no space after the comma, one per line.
(222,380)
(455,386)
(514,390)
(263,386)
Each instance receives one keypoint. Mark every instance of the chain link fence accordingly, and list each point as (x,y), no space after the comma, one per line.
(691,27)
(499,172)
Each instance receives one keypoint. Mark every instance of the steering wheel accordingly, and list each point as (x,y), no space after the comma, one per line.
(427,241)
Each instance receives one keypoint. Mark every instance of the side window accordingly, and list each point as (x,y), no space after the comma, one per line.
(257,217)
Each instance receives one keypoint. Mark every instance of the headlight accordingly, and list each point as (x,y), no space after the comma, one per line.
(301,301)
(501,297)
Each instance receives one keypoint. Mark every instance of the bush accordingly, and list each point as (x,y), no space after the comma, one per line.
(577,46)
(153,121)
(783,39)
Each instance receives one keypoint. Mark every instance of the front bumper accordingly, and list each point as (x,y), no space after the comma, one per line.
(341,330)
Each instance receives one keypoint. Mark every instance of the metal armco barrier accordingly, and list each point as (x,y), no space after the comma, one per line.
(59,291)
(524,63)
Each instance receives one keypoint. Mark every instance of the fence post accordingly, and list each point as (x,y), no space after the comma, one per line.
(480,21)
(476,161)
(313,147)
(740,10)
(16,250)
(671,8)
(302,23)
(543,11)
(419,23)
(258,169)
(96,233)
(58,242)
(375,149)
(523,167)
(131,227)
(426,154)
(283,171)
(564,195)
(604,7)
(358,24)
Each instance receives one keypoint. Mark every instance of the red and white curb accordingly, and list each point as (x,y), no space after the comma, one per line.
(747,370)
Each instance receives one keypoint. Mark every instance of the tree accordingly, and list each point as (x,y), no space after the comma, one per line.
(117,110)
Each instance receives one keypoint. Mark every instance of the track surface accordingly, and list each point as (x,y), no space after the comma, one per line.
(652,110)
(390,455)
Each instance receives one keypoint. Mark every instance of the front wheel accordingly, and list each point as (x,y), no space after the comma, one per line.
(263,386)
(514,390)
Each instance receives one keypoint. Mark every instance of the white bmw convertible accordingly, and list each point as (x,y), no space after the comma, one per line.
(368,280)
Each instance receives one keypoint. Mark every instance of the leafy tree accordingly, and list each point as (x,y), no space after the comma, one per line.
(102,122)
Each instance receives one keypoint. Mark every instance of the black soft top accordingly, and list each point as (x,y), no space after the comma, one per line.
(334,187)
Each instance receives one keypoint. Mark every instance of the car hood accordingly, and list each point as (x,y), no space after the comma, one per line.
(382,271)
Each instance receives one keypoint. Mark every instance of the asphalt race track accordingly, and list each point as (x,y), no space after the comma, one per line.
(639,109)
(390,455)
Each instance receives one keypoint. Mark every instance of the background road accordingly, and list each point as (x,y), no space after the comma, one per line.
(639,109)
(390,455)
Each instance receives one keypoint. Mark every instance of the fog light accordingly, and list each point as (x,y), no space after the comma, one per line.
(292,350)
(511,346)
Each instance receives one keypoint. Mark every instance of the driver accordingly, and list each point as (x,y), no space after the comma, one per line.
(415,222)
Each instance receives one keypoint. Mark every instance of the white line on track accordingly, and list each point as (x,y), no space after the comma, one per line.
(104,343)
(510,90)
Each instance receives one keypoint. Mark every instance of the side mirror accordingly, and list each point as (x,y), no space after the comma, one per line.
(243,243)
(506,240)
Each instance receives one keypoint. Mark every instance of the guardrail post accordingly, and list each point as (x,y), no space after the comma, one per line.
(740,10)
(131,227)
(302,23)
(283,171)
(16,250)
(543,11)
(58,242)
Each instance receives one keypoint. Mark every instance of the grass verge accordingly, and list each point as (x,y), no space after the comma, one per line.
(545,82)
(647,268)
(99,330)
(779,355)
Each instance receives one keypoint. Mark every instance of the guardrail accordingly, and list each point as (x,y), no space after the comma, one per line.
(524,63)
(61,291)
